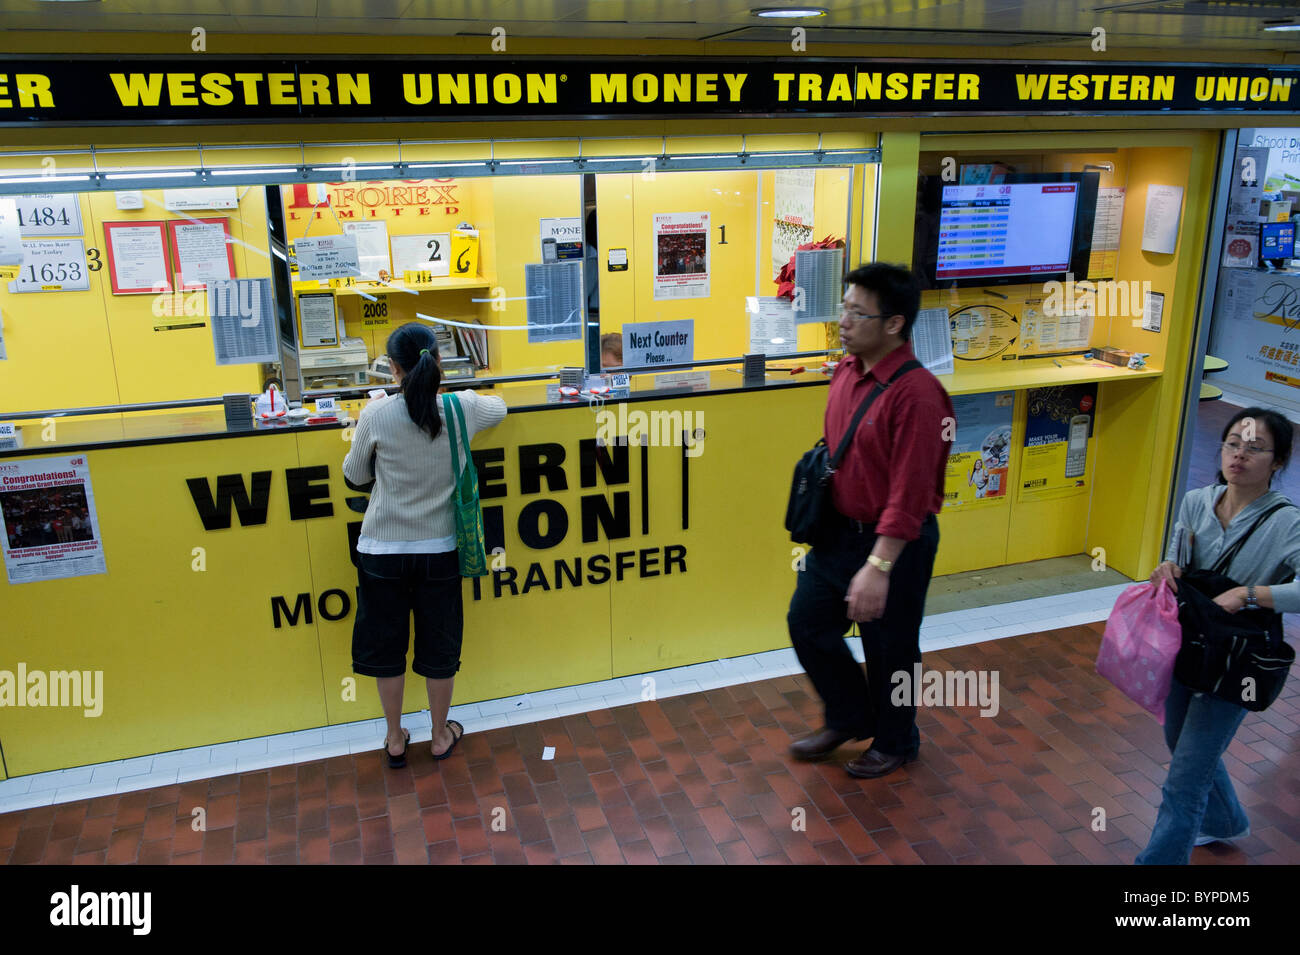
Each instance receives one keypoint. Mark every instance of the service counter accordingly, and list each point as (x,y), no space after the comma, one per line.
(226,609)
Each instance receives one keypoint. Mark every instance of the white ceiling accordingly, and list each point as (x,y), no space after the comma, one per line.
(1208,25)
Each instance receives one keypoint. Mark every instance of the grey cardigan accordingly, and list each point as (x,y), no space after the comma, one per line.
(1270,556)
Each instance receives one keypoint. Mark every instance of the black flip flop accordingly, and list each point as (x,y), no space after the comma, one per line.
(398,761)
(455,738)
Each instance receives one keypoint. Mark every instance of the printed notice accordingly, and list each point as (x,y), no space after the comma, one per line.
(202,252)
(932,340)
(51,529)
(372,247)
(771,326)
(681,250)
(329,257)
(137,257)
(1104,256)
(1160,227)
(317,326)
(11,244)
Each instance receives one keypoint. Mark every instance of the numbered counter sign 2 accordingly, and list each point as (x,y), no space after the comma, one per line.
(54,266)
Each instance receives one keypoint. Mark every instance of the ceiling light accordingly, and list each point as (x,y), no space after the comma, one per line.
(788,13)
(1281,25)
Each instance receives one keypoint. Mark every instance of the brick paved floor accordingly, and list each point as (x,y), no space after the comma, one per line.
(705,778)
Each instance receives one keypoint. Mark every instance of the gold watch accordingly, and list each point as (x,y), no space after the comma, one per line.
(883,566)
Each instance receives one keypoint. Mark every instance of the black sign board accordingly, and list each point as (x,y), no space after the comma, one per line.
(201,89)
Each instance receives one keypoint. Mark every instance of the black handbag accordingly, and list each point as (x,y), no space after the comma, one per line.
(1222,651)
(809,510)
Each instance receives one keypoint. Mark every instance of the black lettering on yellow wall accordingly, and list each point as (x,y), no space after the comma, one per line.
(303,493)
(215,513)
(541,460)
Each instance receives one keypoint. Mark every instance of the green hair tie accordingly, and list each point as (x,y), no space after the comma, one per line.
(424,351)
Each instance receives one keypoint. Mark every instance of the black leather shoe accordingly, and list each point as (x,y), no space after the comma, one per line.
(873,764)
(819,745)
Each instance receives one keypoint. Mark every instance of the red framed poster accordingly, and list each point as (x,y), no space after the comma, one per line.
(202,251)
(137,257)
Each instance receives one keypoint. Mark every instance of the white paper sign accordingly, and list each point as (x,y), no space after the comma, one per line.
(129,199)
(42,214)
(201,249)
(772,329)
(139,258)
(47,509)
(1160,227)
(694,380)
(932,340)
(422,253)
(316,313)
(58,265)
(329,257)
(658,343)
(326,406)
(372,247)
(217,197)
(1153,310)
(11,243)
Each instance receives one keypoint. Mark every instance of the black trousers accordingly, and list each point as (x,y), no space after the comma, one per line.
(818,620)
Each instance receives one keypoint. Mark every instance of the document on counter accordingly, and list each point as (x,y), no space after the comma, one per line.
(932,340)
(1160,227)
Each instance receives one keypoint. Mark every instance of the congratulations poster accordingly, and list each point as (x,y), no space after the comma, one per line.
(981,451)
(1058,441)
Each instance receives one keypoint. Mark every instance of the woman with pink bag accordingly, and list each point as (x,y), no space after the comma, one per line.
(1198,804)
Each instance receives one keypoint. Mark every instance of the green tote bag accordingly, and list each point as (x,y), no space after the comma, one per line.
(470,544)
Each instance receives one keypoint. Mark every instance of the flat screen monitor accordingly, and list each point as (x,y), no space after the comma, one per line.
(1031,227)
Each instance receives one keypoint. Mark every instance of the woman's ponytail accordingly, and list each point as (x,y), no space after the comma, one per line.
(414,347)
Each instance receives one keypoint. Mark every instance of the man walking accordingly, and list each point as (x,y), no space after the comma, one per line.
(874,563)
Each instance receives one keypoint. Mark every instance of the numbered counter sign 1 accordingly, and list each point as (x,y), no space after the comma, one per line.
(375,313)
(55,266)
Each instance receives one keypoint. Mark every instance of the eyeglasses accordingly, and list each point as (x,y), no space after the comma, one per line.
(857,318)
(1232,447)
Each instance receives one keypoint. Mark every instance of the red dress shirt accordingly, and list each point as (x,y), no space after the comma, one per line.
(892,473)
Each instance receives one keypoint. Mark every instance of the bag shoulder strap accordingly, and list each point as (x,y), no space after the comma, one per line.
(875,393)
(1224,562)
(454,422)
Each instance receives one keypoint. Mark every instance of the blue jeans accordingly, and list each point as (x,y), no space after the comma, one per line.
(1198,795)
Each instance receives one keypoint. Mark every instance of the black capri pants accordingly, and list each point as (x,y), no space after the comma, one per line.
(393,586)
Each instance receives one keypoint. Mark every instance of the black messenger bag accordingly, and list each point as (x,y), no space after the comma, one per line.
(1222,650)
(810,509)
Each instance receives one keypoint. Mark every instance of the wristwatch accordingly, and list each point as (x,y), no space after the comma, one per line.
(881,565)
(1251,604)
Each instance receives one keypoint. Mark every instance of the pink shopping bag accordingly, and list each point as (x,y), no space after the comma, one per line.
(1141,641)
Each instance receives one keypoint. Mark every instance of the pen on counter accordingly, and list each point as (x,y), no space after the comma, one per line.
(1057,363)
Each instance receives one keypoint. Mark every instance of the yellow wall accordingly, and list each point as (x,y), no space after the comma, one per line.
(192,657)
(86,348)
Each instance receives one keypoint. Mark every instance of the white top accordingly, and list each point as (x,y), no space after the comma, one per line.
(410,510)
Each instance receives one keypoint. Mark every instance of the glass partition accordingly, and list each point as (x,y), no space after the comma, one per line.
(167,295)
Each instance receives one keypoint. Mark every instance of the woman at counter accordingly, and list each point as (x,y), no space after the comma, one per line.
(407,547)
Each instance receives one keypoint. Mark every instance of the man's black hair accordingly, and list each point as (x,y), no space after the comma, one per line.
(895,289)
